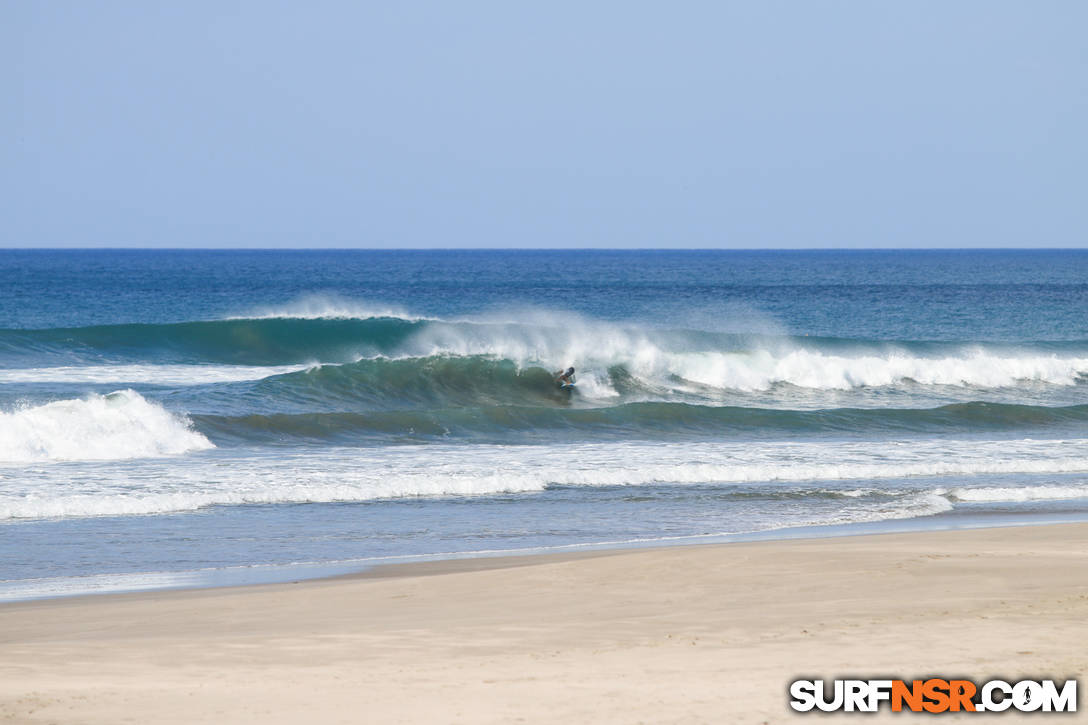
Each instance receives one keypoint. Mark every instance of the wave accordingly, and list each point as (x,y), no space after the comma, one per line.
(660,363)
(697,360)
(117,426)
(482,380)
(657,420)
(430,382)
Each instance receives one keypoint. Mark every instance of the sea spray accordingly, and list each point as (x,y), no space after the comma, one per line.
(117,426)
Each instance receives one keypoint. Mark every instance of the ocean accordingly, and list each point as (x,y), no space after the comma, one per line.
(185,418)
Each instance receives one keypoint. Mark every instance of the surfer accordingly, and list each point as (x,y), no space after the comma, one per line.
(565,378)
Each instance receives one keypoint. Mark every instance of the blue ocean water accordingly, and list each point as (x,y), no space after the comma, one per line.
(170,412)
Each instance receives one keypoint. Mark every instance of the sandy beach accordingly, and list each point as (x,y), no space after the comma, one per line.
(681,635)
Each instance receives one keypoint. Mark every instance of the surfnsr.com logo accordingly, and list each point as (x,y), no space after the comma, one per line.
(933,695)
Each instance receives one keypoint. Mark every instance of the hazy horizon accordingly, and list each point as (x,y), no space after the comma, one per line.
(748,126)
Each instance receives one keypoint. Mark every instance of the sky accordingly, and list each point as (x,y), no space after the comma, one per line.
(760,124)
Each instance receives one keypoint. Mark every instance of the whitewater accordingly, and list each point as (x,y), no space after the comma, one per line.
(340,407)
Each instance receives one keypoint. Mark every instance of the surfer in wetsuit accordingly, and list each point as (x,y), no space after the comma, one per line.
(565,378)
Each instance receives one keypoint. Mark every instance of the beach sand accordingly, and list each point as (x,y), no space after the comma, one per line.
(685,634)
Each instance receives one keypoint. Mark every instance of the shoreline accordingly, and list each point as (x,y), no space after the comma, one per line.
(97,585)
(699,633)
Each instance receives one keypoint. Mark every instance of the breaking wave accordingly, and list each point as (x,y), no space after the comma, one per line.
(657,360)
(99,427)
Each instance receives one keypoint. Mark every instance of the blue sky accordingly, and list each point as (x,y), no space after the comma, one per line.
(505,124)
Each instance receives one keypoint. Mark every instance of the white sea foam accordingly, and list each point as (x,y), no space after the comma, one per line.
(762,369)
(117,426)
(908,506)
(176,375)
(1017,493)
(352,474)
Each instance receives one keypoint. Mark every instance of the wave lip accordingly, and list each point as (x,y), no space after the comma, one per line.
(117,426)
